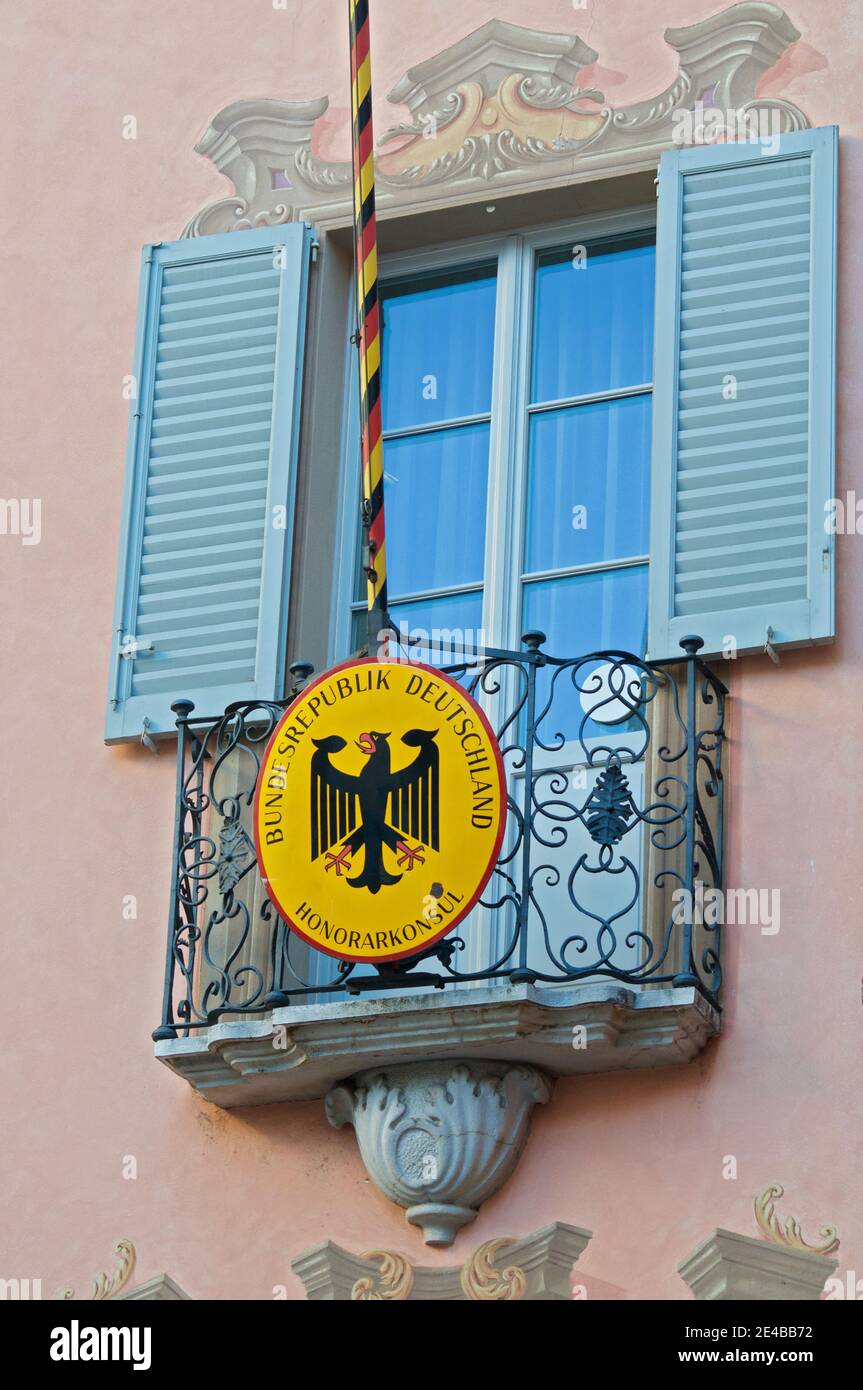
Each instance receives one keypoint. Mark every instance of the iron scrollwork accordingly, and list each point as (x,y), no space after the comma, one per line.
(614,821)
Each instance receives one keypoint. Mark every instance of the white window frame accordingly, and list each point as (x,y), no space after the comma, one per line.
(503,575)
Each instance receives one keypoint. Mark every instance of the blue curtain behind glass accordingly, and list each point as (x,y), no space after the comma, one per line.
(438,350)
(589,463)
(593,320)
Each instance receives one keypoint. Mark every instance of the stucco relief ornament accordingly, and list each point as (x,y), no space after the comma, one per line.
(440,1138)
(502,105)
(109,1285)
(788,1232)
(482,1283)
(537,1268)
(393,1284)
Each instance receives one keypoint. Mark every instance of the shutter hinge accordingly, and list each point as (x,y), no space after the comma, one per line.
(145,735)
(769,649)
(131,647)
(314,247)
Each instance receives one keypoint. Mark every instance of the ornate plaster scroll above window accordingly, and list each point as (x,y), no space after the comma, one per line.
(498,100)
(502,107)
(261,146)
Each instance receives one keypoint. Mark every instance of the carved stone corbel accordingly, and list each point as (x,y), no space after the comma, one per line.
(440,1138)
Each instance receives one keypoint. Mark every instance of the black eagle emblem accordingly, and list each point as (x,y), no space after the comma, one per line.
(375,808)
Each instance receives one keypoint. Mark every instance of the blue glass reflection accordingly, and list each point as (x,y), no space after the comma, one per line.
(438,349)
(444,627)
(435,488)
(588,484)
(593,321)
(436,631)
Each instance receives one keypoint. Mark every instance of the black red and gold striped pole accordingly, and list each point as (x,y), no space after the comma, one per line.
(368,322)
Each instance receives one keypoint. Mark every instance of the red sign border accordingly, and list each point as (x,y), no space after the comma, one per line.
(487,872)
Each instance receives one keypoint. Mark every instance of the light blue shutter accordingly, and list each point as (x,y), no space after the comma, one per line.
(205,548)
(746,253)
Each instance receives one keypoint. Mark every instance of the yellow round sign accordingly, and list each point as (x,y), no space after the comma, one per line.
(380,809)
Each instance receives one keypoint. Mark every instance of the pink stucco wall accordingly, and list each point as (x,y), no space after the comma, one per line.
(637,1158)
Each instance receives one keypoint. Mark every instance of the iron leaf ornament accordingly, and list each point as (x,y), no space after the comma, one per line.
(237,855)
(610,806)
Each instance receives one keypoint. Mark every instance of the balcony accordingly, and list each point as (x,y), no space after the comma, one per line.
(587,951)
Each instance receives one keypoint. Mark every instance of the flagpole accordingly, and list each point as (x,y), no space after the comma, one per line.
(367,334)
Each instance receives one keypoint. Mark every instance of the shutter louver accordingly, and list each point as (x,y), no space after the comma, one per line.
(743,407)
(204,570)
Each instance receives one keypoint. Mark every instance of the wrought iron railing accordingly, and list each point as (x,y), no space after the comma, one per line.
(614,819)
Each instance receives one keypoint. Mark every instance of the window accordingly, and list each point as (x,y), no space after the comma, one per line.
(584,580)
(519,458)
(518,397)
(733,444)
(438,335)
(516,411)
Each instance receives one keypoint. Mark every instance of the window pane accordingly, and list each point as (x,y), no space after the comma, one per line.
(593,323)
(435,496)
(438,346)
(452,624)
(590,612)
(588,484)
(581,614)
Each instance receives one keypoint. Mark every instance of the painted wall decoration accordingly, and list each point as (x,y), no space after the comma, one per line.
(116,1285)
(533,1268)
(788,1231)
(502,106)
